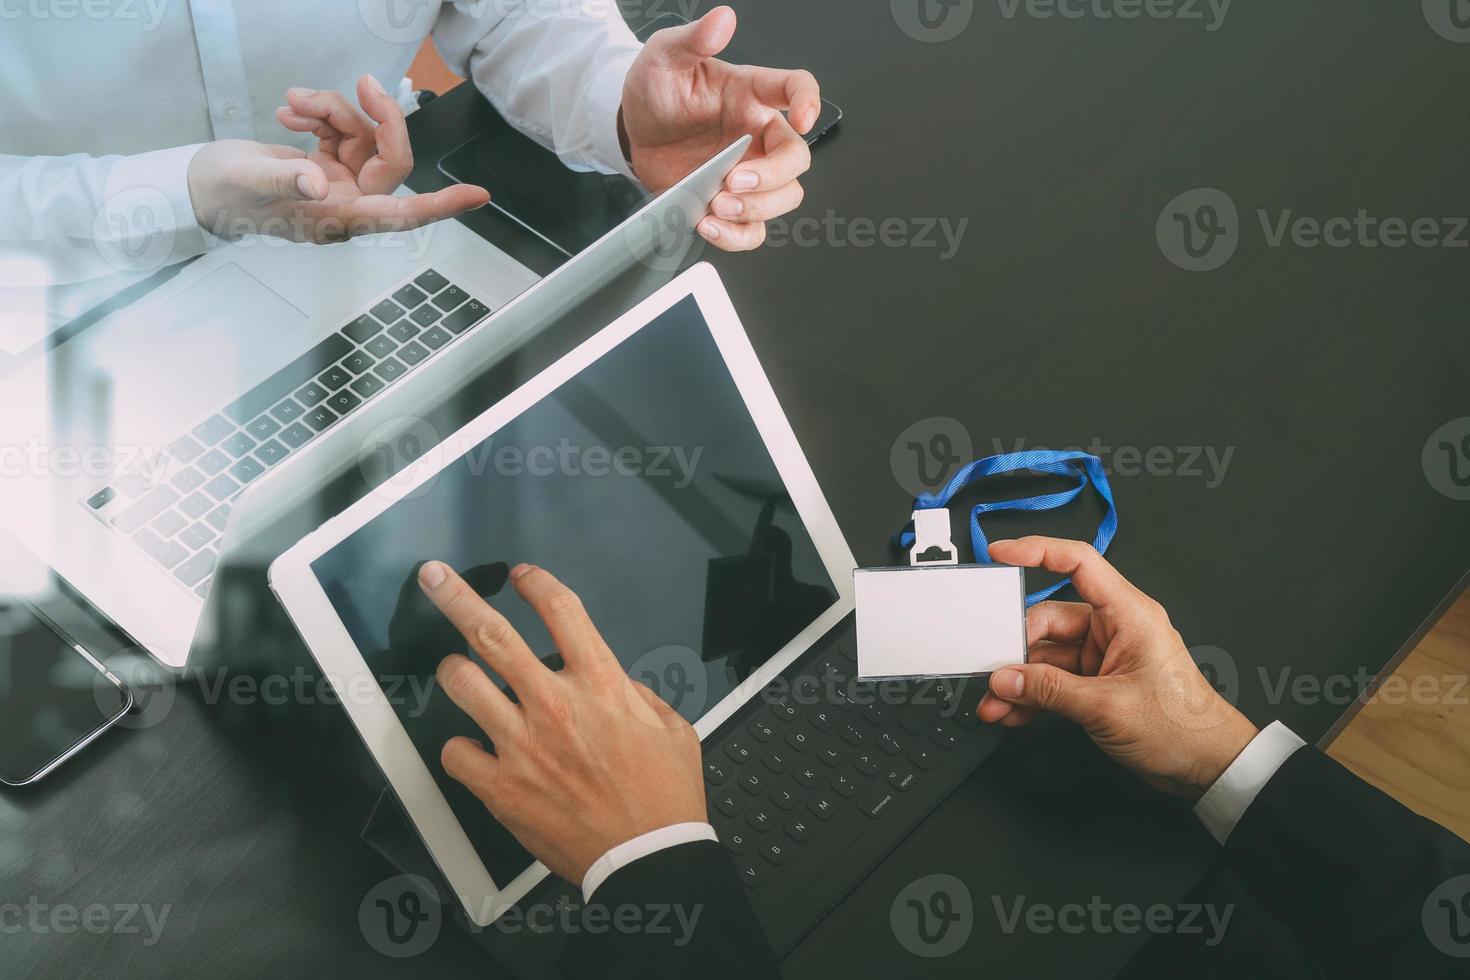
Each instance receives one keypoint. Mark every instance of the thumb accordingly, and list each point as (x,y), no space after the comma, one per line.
(290,180)
(1048,688)
(688,46)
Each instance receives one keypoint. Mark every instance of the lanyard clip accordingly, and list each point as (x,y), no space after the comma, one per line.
(932,544)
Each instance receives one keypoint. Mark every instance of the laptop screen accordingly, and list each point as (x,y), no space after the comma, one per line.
(644,485)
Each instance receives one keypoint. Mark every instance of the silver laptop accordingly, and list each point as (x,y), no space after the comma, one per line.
(266,364)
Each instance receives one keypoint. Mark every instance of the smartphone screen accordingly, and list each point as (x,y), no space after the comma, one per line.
(53,698)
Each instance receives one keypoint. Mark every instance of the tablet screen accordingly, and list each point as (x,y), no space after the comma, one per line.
(644,485)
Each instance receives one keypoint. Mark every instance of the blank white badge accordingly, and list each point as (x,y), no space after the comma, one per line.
(939,621)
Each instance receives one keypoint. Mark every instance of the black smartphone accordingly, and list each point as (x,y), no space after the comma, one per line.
(55,697)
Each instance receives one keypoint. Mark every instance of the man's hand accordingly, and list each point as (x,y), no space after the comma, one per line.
(1116,666)
(342,190)
(681,106)
(589,758)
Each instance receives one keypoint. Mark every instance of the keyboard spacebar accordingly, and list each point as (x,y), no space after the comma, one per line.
(289,378)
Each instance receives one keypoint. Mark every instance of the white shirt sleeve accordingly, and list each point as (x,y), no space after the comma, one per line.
(553,68)
(67,219)
(640,847)
(1222,806)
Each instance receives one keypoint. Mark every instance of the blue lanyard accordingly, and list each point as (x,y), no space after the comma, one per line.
(1083,467)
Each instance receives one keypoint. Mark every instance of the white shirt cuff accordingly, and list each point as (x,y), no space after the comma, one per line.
(640,847)
(604,101)
(147,218)
(1222,806)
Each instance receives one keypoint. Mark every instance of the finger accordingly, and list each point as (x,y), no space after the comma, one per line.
(488,632)
(287,176)
(571,629)
(1096,581)
(1020,717)
(381,213)
(1058,622)
(391,137)
(992,709)
(467,762)
(688,46)
(796,91)
(731,237)
(472,690)
(1066,656)
(760,206)
(1050,688)
(331,108)
(786,157)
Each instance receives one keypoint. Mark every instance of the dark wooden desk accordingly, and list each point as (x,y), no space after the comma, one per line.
(1059,321)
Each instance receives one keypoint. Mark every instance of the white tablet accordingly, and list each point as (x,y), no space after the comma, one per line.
(653,471)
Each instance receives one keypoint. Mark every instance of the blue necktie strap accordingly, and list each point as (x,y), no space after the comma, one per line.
(1083,467)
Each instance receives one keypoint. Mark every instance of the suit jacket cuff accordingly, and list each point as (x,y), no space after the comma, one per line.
(1222,806)
(640,847)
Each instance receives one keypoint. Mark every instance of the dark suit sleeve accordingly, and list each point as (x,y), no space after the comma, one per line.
(706,927)
(1350,871)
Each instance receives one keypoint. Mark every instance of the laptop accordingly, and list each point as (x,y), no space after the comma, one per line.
(674,498)
(245,371)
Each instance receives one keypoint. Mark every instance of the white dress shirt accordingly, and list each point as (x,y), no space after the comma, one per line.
(102,99)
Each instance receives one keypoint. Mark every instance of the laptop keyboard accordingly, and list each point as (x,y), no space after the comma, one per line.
(178,520)
(823,778)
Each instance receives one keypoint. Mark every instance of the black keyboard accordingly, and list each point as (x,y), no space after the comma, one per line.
(177,511)
(811,784)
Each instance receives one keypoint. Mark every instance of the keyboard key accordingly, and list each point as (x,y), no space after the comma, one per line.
(822,806)
(761,729)
(822,718)
(270,391)
(750,875)
(358,361)
(776,760)
(295,435)
(465,317)
(213,462)
(430,281)
(752,783)
(867,764)
(830,754)
(715,773)
(425,315)
(222,486)
(247,469)
(196,537)
(238,445)
(760,819)
(409,296)
(134,485)
(413,352)
(263,427)
(195,506)
(101,498)
(390,369)
(313,394)
(381,347)
(368,385)
(344,402)
(774,852)
(875,713)
(845,784)
(738,840)
(403,331)
(799,739)
(362,328)
(166,553)
(288,411)
(923,756)
(889,744)
(320,418)
(798,830)
(436,337)
(852,734)
(203,589)
(193,571)
(783,797)
(333,379)
(169,523)
(271,452)
(185,449)
(900,778)
(145,509)
(213,430)
(219,517)
(450,298)
(739,752)
(187,481)
(807,776)
(387,311)
(784,712)
(728,803)
(875,801)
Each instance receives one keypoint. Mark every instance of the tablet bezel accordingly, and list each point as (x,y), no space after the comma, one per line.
(297,588)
